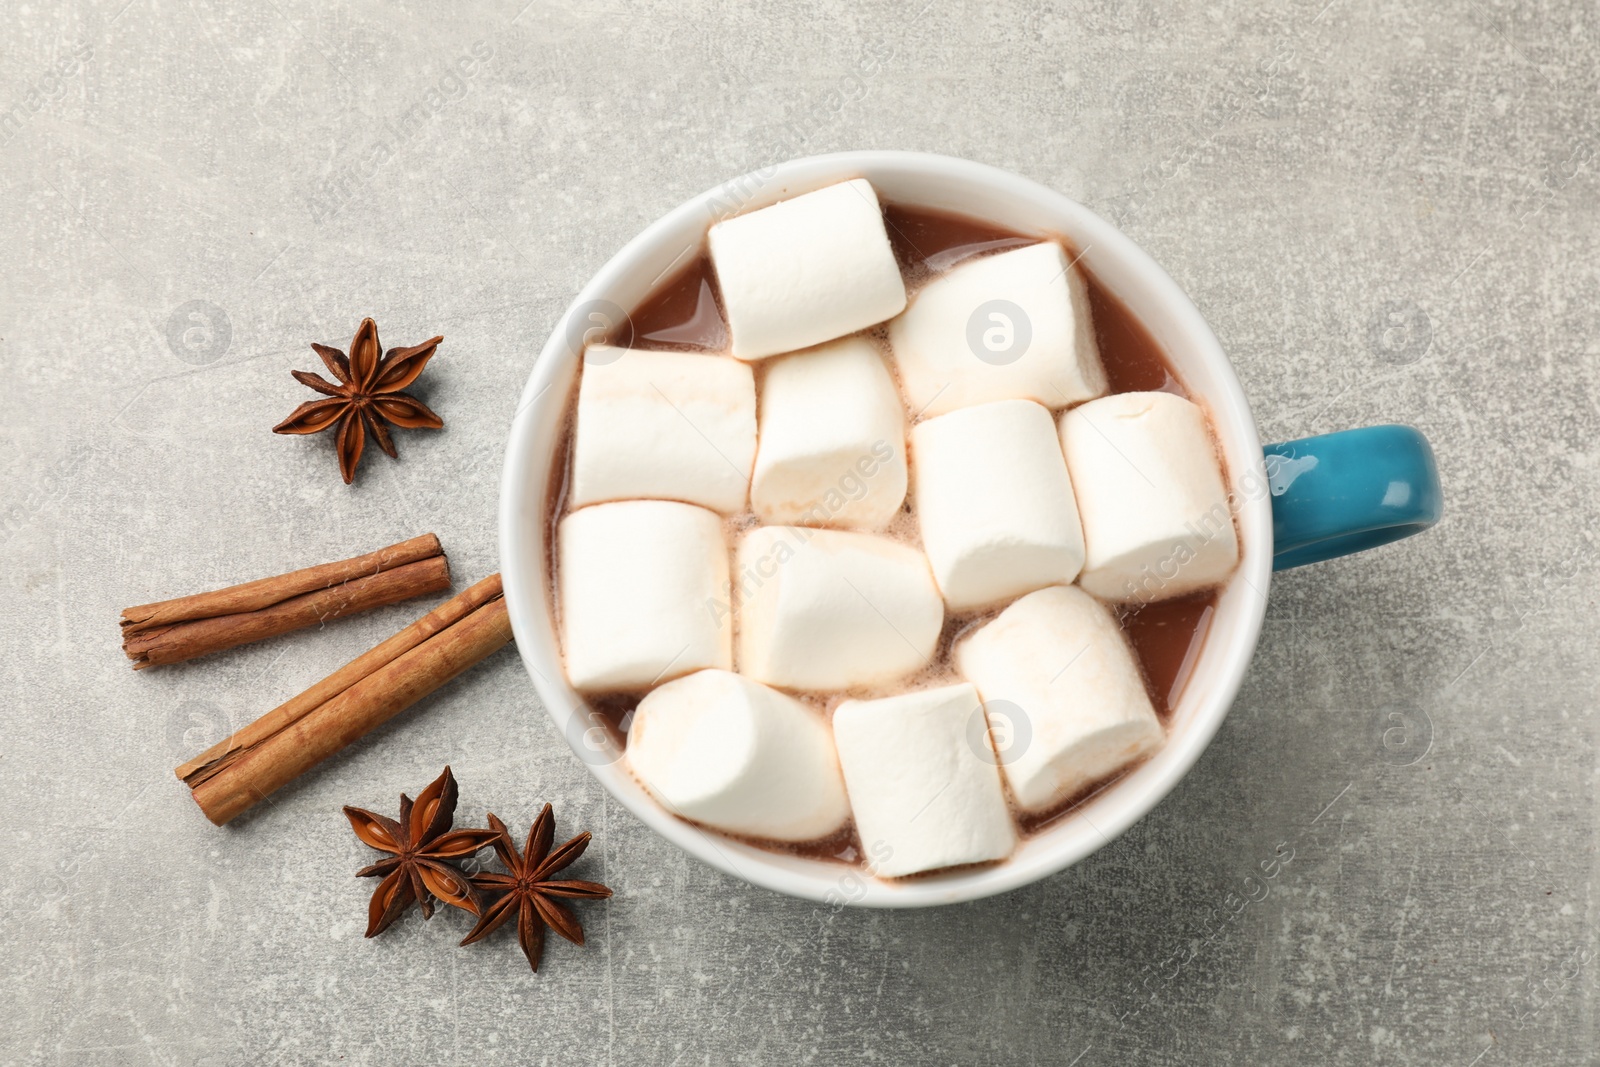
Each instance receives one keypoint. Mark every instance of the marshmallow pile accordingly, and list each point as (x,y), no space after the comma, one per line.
(771,543)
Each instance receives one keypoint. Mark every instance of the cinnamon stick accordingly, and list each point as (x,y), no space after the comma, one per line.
(231,777)
(229,749)
(171,631)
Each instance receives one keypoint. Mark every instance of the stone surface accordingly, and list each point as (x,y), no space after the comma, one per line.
(1387,212)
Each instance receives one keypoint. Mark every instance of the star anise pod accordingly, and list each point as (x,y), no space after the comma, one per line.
(527,890)
(419,867)
(366,397)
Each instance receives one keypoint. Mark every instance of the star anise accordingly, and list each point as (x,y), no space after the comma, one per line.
(366,397)
(420,850)
(527,890)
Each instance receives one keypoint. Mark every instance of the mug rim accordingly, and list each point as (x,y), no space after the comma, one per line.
(538,425)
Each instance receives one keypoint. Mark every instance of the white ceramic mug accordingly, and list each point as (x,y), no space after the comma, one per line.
(1015,203)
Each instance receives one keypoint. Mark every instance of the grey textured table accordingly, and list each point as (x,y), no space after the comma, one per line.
(1386,210)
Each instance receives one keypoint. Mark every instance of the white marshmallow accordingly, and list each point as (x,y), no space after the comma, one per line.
(832,442)
(995,503)
(825,609)
(640,581)
(806,270)
(1014,325)
(922,780)
(729,753)
(1055,663)
(663,425)
(1156,521)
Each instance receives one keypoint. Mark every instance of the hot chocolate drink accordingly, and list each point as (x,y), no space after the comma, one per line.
(883,535)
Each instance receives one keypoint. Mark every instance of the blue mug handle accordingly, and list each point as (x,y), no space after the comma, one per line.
(1344,492)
